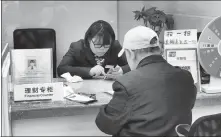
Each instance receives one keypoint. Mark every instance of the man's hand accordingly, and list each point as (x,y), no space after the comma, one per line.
(97,71)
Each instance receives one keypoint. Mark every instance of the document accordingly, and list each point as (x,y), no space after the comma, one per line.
(71,79)
(81,98)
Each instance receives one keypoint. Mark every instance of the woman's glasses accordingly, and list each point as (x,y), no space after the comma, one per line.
(100,45)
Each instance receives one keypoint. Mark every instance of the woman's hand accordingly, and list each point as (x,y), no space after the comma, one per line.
(97,71)
(115,71)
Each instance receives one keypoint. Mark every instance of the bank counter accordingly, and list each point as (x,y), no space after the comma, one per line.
(68,118)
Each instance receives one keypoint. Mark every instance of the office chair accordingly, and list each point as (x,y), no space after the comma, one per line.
(36,38)
(204,126)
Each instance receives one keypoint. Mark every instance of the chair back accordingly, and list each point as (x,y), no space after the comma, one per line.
(206,126)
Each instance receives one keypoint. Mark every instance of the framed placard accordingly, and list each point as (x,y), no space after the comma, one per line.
(43,91)
(31,66)
(185,59)
(180,50)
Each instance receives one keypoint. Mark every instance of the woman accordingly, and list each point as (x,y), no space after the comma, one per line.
(95,54)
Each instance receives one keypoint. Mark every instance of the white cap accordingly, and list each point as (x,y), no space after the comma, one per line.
(139,38)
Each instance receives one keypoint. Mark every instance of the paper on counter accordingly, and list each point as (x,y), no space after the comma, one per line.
(76,79)
(79,98)
(71,79)
(68,90)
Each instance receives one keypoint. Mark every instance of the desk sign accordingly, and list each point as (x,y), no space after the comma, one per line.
(181,50)
(42,91)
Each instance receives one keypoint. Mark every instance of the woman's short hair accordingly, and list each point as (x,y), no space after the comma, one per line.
(100,28)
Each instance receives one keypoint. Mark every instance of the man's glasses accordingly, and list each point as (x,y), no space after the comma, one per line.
(100,45)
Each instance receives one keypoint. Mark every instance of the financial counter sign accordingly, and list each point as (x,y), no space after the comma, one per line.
(36,91)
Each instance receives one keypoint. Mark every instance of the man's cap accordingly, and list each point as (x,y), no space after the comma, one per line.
(139,37)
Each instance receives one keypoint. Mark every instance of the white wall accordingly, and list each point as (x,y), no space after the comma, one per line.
(70,19)
(126,16)
(187,14)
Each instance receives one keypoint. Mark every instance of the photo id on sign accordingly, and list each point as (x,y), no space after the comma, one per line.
(42,91)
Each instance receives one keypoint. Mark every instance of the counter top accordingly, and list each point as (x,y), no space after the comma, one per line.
(38,109)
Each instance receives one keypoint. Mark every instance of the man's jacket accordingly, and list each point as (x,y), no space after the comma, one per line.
(149,101)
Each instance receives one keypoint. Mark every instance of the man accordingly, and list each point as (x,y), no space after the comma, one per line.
(95,55)
(153,97)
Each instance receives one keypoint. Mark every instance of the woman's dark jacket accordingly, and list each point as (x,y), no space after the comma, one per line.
(79,59)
